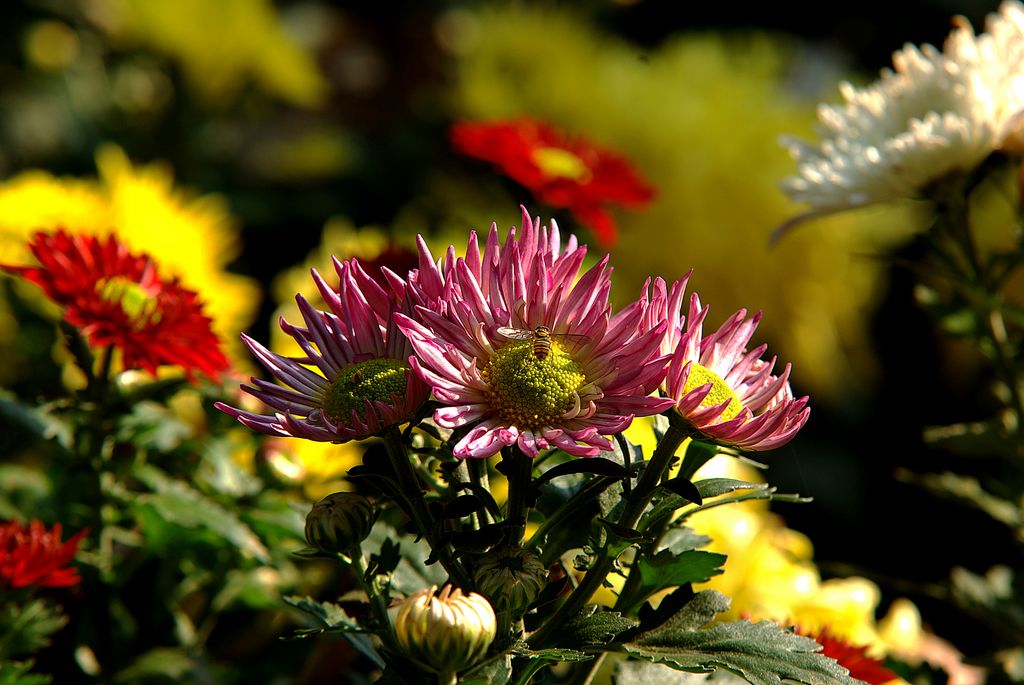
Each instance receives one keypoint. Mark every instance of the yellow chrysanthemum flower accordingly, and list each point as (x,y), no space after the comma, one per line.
(700,117)
(191,237)
(220,45)
(770,572)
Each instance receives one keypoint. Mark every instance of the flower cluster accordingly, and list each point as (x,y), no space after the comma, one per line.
(118,299)
(935,113)
(32,556)
(560,171)
(520,349)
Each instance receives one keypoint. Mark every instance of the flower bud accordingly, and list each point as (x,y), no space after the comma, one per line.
(447,633)
(339,522)
(511,578)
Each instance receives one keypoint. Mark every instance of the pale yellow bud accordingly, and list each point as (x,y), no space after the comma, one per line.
(446,633)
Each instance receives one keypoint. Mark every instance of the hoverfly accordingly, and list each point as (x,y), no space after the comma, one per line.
(541,337)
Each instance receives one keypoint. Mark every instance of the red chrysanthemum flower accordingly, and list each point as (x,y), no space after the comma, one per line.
(117,298)
(558,170)
(31,556)
(854,659)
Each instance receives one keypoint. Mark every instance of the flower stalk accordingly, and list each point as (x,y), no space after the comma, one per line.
(413,495)
(631,513)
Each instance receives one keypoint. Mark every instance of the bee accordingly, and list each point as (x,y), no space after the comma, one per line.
(541,337)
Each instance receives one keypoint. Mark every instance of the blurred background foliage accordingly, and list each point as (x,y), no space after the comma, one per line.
(242,142)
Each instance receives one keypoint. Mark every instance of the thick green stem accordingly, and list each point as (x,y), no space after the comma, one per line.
(631,513)
(411,492)
(478,475)
(519,483)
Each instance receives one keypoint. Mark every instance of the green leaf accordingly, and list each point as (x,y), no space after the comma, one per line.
(554,655)
(484,495)
(981,438)
(220,472)
(173,663)
(461,506)
(411,574)
(684,488)
(667,569)
(496,672)
(25,629)
(176,502)
(17,673)
(593,626)
(327,615)
(697,454)
(151,425)
(249,587)
(41,422)
(645,673)
(715,487)
(23,489)
(624,533)
(330,617)
(595,465)
(996,596)
(969,491)
(683,539)
(762,653)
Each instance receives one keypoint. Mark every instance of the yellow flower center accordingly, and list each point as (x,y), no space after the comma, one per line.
(529,392)
(720,391)
(374,380)
(140,307)
(558,163)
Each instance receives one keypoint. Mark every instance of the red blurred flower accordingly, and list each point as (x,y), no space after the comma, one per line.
(31,556)
(854,659)
(116,298)
(559,170)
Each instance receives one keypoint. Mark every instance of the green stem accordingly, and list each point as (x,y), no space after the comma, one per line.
(377,604)
(629,517)
(519,483)
(996,328)
(584,495)
(411,492)
(478,475)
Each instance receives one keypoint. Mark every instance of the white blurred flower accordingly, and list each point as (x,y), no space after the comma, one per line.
(932,114)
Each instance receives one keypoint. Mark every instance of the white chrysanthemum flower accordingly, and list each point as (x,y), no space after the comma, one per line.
(932,114)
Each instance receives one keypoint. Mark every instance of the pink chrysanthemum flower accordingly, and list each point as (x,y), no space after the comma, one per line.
(721,388)
(527,355)
(364,384)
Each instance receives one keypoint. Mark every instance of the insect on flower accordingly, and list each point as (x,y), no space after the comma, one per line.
(542,338)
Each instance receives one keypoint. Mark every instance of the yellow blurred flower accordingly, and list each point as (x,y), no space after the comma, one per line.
(700,117)
(319,466)
(770,572)
(220,45)
(191,237)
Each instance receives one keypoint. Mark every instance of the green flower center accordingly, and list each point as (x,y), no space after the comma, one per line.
(720,391)
(529,392)
(140,306)
(374,379)
(558,163)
